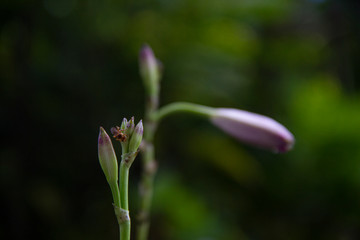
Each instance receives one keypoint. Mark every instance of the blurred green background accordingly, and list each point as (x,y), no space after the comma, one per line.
(67,67)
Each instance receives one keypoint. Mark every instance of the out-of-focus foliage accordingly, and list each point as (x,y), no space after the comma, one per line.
(67,67)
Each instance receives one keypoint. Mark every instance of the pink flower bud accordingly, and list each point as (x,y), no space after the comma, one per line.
(107,157)
(149,69)
(252,128)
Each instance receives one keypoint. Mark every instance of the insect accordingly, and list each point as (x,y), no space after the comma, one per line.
(118,134)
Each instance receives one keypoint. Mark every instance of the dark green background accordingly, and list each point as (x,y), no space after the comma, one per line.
(67,67)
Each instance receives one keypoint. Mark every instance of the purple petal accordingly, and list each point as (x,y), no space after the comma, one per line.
(255,129)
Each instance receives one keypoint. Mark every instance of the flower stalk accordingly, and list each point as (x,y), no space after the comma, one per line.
(130,138)
(129,144)
(150,73)
(248,127)
(251,128)
(108,163)
(255,129)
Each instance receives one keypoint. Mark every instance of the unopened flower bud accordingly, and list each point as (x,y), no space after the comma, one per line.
(130,126)
(254,129)
(124,124)
(107,157)
(136,137)
(149,69)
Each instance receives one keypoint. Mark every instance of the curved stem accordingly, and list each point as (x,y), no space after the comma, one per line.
(182,107)
(152,117)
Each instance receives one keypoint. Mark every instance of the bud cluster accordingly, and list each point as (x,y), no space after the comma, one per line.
(129,135)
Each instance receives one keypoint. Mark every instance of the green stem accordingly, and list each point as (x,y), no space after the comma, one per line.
(152,117)
(117,202)
(146,190)
(149,167)
(124,220)
(124,185)
(125,230)
(182,107)
(116,194)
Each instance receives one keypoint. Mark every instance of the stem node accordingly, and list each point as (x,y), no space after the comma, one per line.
(122,215)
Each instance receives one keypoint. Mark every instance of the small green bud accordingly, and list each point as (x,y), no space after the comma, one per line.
(136,137)
(130,126)
(107,157)
(124,124)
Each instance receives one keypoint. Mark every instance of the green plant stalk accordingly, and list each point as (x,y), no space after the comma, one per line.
(123,219)
(152,117)
(125,223)
(149,167)
(125,230)
(125,226)
(116,194)
(116,197)
(124,185)
(182,107)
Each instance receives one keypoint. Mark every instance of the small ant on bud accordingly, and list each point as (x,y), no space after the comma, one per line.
(118,134)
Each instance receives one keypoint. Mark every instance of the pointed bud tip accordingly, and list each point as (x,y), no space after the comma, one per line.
(101,131)
(139,127)
(130,127)
(286,144)
(124,123)
(103,136)
(146,52)
(136,137)
(131,121)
